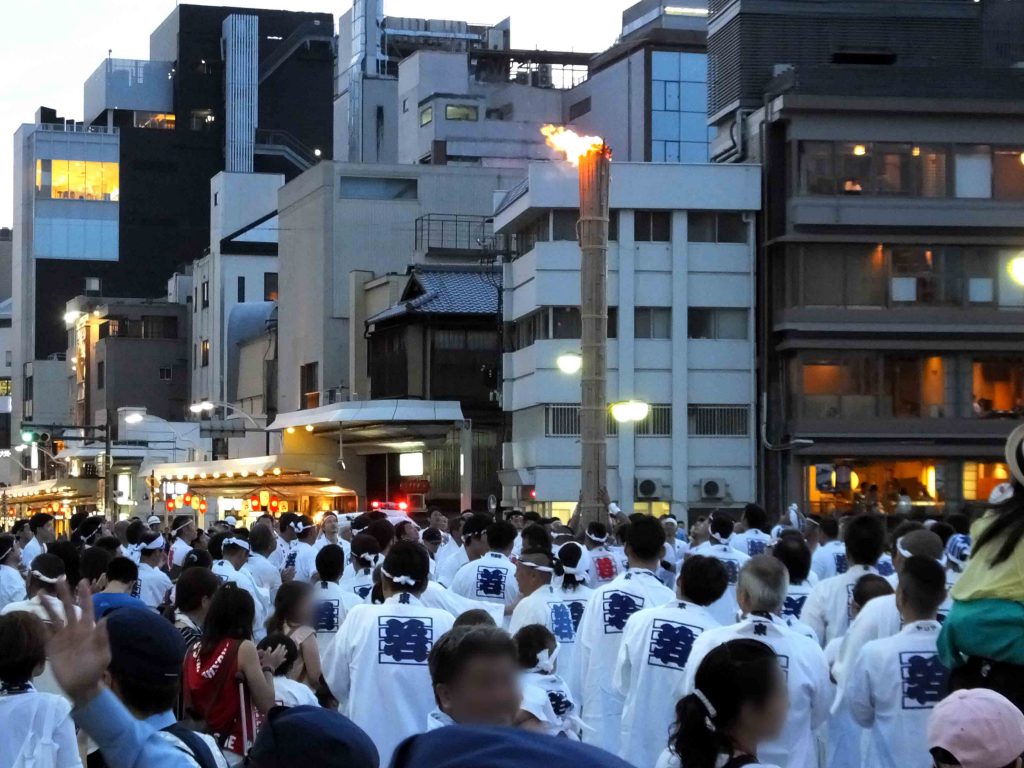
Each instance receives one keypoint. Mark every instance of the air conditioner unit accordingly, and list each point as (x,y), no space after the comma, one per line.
(712,487)
(648,488)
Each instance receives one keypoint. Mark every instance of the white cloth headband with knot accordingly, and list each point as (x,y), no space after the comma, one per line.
(232,541)
(157,543)
(184,525)
(299,527)
(706,703)
(598,539)
(409,581)
(47,579)
(534,566)
(907,553)
(372,560)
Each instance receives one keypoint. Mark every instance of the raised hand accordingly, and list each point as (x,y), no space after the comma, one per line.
(79,649)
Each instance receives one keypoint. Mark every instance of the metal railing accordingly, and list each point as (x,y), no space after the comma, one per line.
(564,421)
(718,420)
(455,232)
(285,144)
(73,127)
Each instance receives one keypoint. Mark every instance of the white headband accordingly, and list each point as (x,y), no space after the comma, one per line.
(598,539)
(541,568)
(85,538)
(546,660)
(184,525)
(47,579)
(372,560)
(157,543)
(300,526)
(5,554)
(407,580)
(907,553)
(706,703)
(231,540)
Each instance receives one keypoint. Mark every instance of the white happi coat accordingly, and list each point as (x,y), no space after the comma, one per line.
(893,687)
(829,608)
(561,611)
(547,697)
(449,564)
(263,572)
(649,673)
(359,583)
(436,596)
(331,604)
(176,554)
(796,597)
(12,586)
(34,549)
(153,585)
(225,571)
(305,561)
(810,689)
(725,609)
(600,636)
(604,566)
(491,578)
(752,542)
(829,560)
(376,667)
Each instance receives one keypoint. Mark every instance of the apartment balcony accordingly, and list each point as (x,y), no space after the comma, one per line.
(130,84)
(444,234)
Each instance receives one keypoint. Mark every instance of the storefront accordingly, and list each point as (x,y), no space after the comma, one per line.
(60,497)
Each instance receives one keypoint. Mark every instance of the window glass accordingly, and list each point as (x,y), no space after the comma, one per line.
(731,228)
(928,172)
(717,323)
(701,227)
(426,115)
(853,165)
(817,168)
(77,180)
(270,286)
(865,274)
(972,171)
(997,387)
(461,112)
(565,323)
(1008,174)
(564,224)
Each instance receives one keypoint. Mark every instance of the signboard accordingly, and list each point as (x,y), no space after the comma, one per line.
(414,485)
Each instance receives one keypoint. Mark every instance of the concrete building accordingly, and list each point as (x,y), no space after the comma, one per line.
(681,328)
(890,307)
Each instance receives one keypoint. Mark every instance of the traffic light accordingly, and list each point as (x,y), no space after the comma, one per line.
(28,436)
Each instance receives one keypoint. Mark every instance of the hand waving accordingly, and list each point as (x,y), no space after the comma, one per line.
(79,651)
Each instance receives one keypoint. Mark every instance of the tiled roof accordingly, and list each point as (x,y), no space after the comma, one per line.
(447,291)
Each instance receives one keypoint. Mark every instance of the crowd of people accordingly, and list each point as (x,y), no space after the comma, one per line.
(476,640)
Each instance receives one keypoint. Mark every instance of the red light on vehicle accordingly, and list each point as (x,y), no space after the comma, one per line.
(403,506)
(374,505)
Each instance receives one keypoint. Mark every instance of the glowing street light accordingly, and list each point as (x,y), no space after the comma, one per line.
(630,411)
(1016,269)
(570,362)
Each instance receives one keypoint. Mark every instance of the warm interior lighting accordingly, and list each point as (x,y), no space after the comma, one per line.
(860,150)
(916,151)
(71,317)
(1022,158)
(290,430)
(309,427)
(571,143)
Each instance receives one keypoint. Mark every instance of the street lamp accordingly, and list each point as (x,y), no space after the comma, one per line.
(630,411)
(205,406)
(570,362)
(1016,269)
(136,417)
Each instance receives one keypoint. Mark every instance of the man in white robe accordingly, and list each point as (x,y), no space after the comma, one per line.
(720,529)
(235,553)
(491,578)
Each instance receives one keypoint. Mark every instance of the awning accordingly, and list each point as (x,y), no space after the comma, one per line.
(93,450)
(371,412)
(296,475)
(66,489)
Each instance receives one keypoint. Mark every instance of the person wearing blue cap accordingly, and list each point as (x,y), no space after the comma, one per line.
(317,736)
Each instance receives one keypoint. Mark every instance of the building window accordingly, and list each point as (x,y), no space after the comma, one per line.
(563,224)
(309,385)
(718,420)
(711,227)
(165,374)
(652,323)
(564,421)
(101,374)
(241,289)
(566,323)
(202,120)
(204,353)
(270,286)
(717,323)
(8,361)
(405,105)
(215,198)
(195,301)
(461,112)
(1008,174)
(365,188)
(93,285)
(579,109)
(652,226)
(678,117)
(195,357)
(657,424)
(997,388)
(206,293)
(78,180)
(426,116)
(555,323)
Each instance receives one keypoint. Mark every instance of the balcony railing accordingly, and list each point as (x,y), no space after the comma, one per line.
(453,233)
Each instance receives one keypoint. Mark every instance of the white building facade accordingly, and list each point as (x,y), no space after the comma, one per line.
(681,336)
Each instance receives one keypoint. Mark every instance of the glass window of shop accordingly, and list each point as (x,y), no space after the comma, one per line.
(77,180)
(889,487)
(997,387)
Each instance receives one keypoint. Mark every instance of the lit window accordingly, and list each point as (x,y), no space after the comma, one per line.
(77,180)
(461,112)
(204,351)
(426,116)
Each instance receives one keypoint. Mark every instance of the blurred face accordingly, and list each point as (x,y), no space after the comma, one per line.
(670,526)
(409,533)
(765,721)
(528,579)
(699,532)
(438,520)
(331,526)
(476,546)
(46,534)
(14,556)
(304,610)
(432,547)
(485,693)
(518,521)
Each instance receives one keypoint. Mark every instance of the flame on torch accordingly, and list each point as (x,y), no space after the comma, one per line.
(570,143)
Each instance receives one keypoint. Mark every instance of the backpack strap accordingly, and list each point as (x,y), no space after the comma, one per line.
(196,744)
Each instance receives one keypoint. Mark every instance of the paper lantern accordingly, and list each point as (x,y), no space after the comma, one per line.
(178,504)
(188,499)
(264,498)
(202,505)
(170,505)
(274,503)
(254,502)
(195,502)
(55,506)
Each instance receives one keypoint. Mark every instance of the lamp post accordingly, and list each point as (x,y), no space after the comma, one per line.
(206,406)
(139,418)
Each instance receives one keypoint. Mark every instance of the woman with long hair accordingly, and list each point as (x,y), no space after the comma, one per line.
(739,701)
(224,664)
(293,617)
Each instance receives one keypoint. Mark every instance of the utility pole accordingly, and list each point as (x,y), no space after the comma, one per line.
(594,182)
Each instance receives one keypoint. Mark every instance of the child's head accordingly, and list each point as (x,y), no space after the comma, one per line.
(531,642)
(474,617)
(23,638)
(291,651)
(868,587)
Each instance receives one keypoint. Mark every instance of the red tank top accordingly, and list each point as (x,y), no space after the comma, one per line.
(215,689)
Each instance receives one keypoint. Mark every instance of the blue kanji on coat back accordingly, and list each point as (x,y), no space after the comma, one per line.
(404,641)
(885,568)
(326,615)
(490,582)
(924,679)
(618,607)
(732,570)
(363,591)
(576,609)
(756,547)
(793,605)
(670,643)
(561,623)
(561,703)
(841,565)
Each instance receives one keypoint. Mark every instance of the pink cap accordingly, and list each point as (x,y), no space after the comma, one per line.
(979,727)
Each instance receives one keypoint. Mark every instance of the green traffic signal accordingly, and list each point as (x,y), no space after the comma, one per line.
(28,436)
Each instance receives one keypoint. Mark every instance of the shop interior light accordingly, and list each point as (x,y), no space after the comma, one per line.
(309,427)
(277,471)
(290,430)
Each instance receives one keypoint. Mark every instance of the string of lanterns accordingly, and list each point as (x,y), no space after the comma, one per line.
(191,500)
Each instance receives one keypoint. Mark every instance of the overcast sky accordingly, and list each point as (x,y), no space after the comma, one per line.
(49,47)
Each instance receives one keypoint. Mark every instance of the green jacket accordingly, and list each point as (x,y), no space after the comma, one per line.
(987,629)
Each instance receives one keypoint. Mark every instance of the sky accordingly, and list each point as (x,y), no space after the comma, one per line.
(48,48)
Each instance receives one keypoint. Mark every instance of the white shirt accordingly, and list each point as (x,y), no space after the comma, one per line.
(305,561)
(829,608)
(30,552)
(752,542)
(225,571)
(376,667)
(600,636)
(322,541)
(331,604)
(810,689)
(28,719)
(450,565)
(292,693)
(176,556)
(604,566)
(894,685)
(263,572)
(547,698)
(561,611)
(279,558)
(491,578)
(12,586)
(725,609)
(153,585)
(829,560)
(649,673)
(436,596)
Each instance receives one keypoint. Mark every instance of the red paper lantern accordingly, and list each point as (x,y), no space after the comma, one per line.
(170,505)
(202,505)
(254,502)
(188,499)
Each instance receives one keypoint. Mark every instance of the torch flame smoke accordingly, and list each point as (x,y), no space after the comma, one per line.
(571,143)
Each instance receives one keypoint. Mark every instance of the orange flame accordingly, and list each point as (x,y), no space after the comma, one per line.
(571,143)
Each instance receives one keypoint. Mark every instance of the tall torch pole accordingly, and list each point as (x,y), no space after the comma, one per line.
(594,177)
